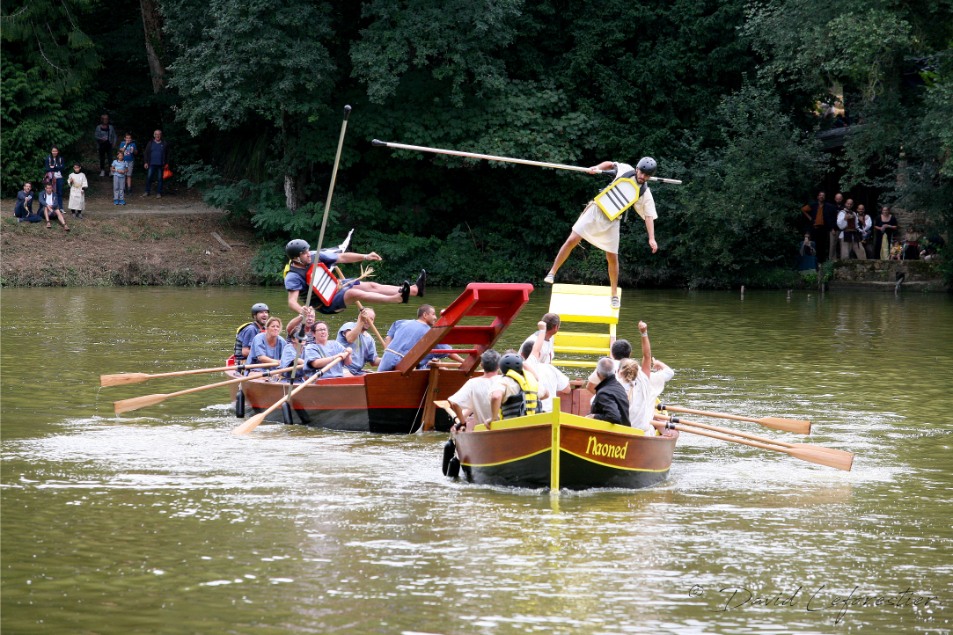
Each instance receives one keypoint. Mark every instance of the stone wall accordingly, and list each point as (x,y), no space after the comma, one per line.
(917,274)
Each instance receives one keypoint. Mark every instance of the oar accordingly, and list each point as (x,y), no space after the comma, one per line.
(746,435)
(125,405)
(255,421)
(135,378)
(802,451)
(492,157)
(797,426)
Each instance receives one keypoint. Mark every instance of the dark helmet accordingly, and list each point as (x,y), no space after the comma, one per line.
(511,361)
(296,247)
(648,165)
(258,307)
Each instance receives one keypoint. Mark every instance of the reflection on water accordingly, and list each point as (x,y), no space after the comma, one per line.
(161,521)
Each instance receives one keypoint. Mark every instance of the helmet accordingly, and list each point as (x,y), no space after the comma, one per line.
(648,165)
(296,247)
(258,307)
(511,361)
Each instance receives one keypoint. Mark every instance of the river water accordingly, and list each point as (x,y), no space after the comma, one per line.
(160,521)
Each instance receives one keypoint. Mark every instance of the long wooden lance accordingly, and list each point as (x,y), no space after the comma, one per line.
(491,157)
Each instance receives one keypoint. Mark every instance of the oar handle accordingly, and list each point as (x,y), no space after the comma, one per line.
(123,378)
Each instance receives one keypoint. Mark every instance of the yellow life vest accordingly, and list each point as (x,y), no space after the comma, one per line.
(526,402)
(620,195)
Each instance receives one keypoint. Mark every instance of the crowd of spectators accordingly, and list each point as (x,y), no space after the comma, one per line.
(117,160)
(843,230)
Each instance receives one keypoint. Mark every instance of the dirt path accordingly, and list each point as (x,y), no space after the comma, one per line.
(174,240)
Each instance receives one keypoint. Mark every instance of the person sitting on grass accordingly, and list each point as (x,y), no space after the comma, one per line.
(52,205)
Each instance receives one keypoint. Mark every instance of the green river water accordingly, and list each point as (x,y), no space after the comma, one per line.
(161,521)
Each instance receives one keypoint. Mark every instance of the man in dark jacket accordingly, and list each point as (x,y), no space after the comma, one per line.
(610,403)
(155,157)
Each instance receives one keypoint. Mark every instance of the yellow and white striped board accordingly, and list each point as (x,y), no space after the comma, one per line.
(619,196)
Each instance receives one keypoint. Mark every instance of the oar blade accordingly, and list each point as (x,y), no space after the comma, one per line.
(122,378)
(840,459)
(797,426)
(127,405)
(249,424)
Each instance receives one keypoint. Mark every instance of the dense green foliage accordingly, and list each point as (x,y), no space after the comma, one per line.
(723,93)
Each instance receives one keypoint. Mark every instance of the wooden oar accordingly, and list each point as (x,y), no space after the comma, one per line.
(255,421)
(802,451)
(746,435)
(797,426)
(125,405)
(135,378)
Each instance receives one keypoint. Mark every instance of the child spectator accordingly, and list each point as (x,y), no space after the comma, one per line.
(129,152)
(118,172)
(77,192)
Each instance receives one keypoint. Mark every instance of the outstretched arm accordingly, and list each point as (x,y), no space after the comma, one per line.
(650,230)
(646,349)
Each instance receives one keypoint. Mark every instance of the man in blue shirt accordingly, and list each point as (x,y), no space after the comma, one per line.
(355,335)
(352,290)
(155,157)
(403,334)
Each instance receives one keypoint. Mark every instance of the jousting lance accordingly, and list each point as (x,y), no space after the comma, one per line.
(491,157)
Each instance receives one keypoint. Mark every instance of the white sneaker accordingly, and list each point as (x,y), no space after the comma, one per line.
(550,278)
(615,303)
(102,173)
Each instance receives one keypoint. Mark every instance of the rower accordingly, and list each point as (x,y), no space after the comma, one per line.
(515,392)
(247,331)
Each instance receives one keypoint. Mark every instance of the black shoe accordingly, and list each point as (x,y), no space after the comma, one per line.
(421,283)
(405,292)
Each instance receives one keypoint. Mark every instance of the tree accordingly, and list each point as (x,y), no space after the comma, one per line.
(47,70)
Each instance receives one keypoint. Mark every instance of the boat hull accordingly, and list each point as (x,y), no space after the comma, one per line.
(589,454)
(388,402)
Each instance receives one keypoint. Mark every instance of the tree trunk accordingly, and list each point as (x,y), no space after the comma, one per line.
(291,194)
(152,25)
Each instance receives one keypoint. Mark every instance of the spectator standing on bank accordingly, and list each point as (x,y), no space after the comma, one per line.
(129,152)
(105,136)
(118,172)
(54,167)
(885,229)
(847,221)
(823,222)
(77,191)
(865,226)
(154,157)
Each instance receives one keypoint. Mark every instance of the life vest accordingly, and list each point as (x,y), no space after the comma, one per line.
(525,402)
(619,196)
(323,286)
(239,358)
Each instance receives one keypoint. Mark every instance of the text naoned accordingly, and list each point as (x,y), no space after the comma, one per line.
(594,448)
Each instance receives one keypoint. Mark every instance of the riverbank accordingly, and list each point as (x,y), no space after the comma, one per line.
(175,240)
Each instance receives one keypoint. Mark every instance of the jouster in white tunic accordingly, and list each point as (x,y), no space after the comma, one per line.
(598,230)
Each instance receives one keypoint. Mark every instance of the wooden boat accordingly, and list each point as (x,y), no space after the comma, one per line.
(401,400)
(588,453)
